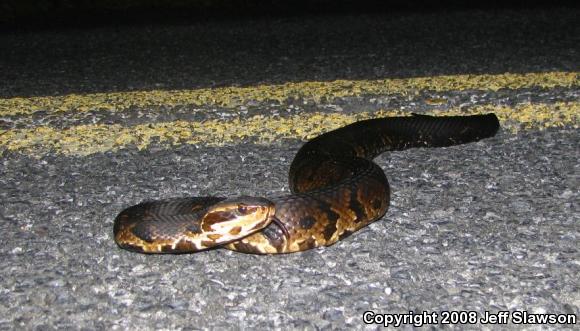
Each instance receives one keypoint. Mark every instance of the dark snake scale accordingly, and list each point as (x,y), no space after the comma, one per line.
(336,190)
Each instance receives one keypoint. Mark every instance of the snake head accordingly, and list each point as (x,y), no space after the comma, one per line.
(184,225)
(235,218)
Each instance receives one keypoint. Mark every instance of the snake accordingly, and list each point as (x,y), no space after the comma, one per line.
(335,186)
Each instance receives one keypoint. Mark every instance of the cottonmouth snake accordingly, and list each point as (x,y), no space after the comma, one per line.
(336,190)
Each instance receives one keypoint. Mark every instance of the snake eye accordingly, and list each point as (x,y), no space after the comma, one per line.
(245,209)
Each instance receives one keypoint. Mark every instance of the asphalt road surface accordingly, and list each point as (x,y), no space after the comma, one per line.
(94,120)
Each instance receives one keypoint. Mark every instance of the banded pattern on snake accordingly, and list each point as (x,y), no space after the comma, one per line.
(336,190)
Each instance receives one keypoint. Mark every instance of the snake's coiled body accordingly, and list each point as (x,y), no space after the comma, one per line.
(336,190)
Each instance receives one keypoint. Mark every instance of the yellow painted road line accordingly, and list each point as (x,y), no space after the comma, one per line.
(230,97)
(89,139)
